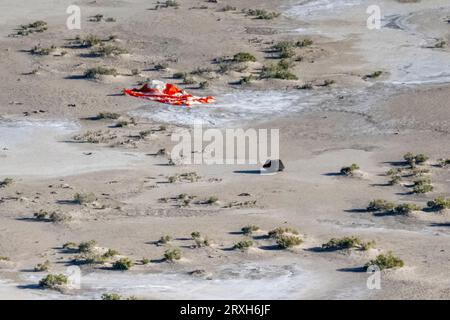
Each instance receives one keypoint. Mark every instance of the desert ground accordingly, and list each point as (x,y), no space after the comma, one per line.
(81,163)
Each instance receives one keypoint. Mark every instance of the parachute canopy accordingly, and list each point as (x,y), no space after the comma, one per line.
(166,93)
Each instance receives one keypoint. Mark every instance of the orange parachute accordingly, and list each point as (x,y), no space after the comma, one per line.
(167,93)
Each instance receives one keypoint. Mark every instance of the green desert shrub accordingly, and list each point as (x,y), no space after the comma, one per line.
(172,254)
(111,253)
(347,243)
(88,41)
(201,242)
(54,281)
(40,267)
(111,296)
(342,243)
(37,26)
(115,297)
(285,241)
(42,51)
(304,43)
(386,261)
(41,214)
(201,71)
(284,49)
(195,235)
(243,245)
(108,115)
(439,204)
(395,180)
(6,182)
(123,264)
(164,239)
(406,208)
(212,200)
(171,3)
(394,172)
(59,217)
(248,230)
(420,182)
(277,232)
(108,50)
(380,205)
(83,198)
(409,157)
(367,245)
(189,176)
(350,169)
(92,258)
(419,171)
(87,246)
(244,57)
(443,162)
(413,159)
(277,71)
(93,73)
(423,188)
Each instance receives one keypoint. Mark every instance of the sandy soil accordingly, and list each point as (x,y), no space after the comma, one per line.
(52,149)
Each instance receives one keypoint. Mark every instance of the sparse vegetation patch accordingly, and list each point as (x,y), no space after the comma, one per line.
(172,254)
(439,204)
(34,27)
(54,281)
(84,198)
(123,264)
(244,57)
(108,51)
(94,73)
(277,232)
(278,71)
(243,245)
(45,266)
(380,205)
(285,241)
(349,170)
(386,261)
(249,230)
(347,243)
